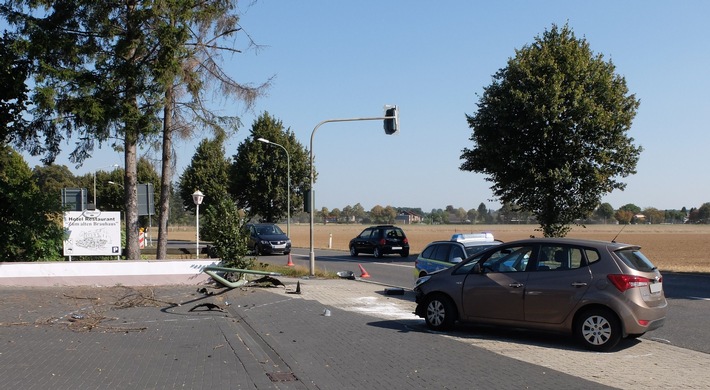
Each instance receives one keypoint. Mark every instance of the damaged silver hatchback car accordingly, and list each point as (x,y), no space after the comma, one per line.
(598,291)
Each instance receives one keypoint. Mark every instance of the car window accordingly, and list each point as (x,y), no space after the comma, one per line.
(508,259)
(271,229)
(456,251)
(394,233)
(428,251)
(592,255)
(276,229)
(558,258)
(365,233)
(635,259)
(473,249)
(441,253)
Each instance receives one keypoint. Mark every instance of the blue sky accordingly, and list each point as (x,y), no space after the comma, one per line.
(338,59)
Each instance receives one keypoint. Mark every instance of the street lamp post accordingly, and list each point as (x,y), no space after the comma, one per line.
(108,166)
(197,197)
(288,184)
(391,119)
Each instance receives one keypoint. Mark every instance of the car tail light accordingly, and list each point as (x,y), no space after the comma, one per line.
(625,282)
(405,240)
(382,241)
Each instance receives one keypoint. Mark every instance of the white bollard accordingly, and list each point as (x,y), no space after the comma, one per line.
(330,241)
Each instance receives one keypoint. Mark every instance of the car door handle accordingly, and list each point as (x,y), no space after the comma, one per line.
(579,284)
(515,285)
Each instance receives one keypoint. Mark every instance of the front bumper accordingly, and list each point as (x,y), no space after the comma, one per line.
(276,247)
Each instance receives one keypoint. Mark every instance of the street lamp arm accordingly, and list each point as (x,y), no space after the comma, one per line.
(288,183)
(311,254)
(108,166)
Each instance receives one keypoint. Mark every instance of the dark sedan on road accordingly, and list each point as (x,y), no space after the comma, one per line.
(268,238)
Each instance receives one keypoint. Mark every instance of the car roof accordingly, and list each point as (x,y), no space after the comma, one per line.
(574,241)
(465,244)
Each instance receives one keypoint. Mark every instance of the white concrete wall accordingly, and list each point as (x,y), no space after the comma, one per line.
(104,273)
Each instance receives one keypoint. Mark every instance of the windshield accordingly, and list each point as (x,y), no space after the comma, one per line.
(472,250)
(269,229)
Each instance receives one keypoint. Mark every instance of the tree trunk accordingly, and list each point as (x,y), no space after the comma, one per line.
(133,251)
(166,176)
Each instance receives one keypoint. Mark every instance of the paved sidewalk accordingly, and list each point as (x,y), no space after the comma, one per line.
(271,338)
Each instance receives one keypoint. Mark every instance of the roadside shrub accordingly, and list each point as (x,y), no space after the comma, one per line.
(224,227)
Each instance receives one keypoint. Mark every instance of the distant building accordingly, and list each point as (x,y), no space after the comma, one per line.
(407,218)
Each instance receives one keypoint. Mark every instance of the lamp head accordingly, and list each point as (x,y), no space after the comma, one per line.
(197,197)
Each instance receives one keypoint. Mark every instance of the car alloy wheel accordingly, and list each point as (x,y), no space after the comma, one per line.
(353,251)
(598,329)
(377,252)
(439,313)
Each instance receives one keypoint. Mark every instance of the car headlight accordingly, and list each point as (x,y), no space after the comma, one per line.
(421,280)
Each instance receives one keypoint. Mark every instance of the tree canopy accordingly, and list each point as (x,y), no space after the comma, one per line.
(550,131)
(104,72)
(208,172)
(30,219)
(14,70)
(259,172)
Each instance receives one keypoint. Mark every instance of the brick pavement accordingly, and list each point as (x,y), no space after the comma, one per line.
(270,338)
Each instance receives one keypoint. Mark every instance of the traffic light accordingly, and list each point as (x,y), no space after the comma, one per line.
(391,121)
(307,200)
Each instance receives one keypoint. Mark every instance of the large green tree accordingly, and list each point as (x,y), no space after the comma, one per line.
(550,131)
(605,211)
(193,38)
(106,71)
(14,70)
(259,173)
(94,81)
(53,178)
(208,172)
(30,219)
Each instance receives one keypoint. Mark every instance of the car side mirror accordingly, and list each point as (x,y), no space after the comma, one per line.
(456,260)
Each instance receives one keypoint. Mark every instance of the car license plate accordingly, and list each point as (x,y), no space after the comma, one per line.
(656,287)
(396,248)
(280,246)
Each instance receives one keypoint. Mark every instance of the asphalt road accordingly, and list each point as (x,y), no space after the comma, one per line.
(688,294)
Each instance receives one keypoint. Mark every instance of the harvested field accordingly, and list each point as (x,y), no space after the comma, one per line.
(680,248)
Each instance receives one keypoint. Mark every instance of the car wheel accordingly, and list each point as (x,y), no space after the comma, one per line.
(404,253)
(440,313)
(598,329)
(353,251)
(377,252)
(257,252)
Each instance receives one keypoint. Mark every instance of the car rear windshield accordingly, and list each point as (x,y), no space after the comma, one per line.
(635,259)
(394,233)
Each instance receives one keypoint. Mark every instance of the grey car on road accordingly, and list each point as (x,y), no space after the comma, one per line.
(598,291)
